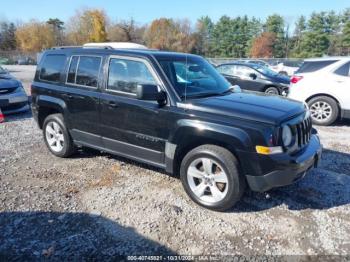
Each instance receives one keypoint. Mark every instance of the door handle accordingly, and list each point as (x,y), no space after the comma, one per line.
(112,104)
(68,96)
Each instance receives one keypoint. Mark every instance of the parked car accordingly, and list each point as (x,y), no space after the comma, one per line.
(176,112)
(324,84)
(12,95)
(287,67)
(254,77)
(25,61)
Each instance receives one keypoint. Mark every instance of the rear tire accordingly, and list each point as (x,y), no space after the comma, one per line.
(210,176)
(57,137)
(324,110)
(272,91)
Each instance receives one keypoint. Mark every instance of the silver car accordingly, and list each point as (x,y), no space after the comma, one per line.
(13,98)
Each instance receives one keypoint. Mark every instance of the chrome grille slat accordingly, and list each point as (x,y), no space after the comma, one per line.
(303,132)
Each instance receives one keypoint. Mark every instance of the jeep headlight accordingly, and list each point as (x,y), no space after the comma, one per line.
(287,136)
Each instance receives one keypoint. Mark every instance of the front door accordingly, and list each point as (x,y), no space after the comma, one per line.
(131,127)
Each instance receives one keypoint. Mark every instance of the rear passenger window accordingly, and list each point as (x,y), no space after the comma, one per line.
(51,68)
(343,70)
(124,75)
(84,70)
(312,66)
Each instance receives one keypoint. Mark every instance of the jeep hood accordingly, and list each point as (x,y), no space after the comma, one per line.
(251,106)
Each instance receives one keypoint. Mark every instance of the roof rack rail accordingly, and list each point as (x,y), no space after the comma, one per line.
(65,47)
(98,46)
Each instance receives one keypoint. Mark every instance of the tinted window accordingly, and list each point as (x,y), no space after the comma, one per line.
(88,69)
(72,69)
(343,70)
(124,75)
(52,67)
(308,67)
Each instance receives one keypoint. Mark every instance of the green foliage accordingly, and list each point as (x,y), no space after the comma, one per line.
(7,36)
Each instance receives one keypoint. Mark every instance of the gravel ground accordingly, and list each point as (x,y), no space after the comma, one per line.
(95,205)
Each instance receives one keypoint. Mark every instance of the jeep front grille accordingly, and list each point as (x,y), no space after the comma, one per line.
(303,132)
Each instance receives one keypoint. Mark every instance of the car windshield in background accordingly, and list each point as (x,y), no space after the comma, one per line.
(312,66)
(194,77)
(264,70)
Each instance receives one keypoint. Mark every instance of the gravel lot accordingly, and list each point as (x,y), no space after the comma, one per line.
(95,205)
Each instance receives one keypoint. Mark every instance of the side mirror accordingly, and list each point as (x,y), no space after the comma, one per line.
(150,93)
(253,76)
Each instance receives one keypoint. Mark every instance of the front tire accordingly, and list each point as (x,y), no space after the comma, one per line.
(210,176)
(56,136)
(324,110)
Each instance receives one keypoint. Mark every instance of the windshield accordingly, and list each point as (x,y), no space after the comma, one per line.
(264,70)
(2,71)
(193,77)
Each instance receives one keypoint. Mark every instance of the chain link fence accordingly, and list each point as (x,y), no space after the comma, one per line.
(18,58)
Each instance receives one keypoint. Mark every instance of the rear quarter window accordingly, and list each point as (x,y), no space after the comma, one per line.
(52,67)
(312,66)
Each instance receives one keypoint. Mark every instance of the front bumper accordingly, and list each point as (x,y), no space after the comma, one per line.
(289,168)
(14,102)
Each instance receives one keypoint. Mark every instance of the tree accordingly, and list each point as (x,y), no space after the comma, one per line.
(203,35)
(275,24)
(166,34)
(57,28)
(87,26)
(34,36)
(263,46)
(126,31)
(300,28)
(346,38)
(7,36)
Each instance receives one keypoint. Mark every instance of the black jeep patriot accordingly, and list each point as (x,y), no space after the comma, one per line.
(176,112)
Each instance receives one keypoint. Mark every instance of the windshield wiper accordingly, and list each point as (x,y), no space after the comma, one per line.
(201,95)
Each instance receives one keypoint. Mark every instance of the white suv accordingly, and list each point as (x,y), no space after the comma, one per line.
(324,84)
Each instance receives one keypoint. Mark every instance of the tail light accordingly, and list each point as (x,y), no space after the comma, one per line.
(295,79)
(2,117)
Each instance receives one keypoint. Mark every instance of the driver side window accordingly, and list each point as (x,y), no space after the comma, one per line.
(124,75)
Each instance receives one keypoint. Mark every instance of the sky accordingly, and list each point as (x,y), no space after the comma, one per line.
(145,11)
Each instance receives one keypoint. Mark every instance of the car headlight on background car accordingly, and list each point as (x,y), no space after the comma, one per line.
(287,136)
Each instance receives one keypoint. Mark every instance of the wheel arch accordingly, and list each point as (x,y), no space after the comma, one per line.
(231,138)
(49,105)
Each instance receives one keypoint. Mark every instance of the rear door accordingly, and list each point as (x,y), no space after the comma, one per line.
(82,94)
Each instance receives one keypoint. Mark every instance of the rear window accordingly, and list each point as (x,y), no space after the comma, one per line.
(312,66)
(84,70)
(52,67)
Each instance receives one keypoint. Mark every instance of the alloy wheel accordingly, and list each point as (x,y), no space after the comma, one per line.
(207,180)
(321,111)
(54,136)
